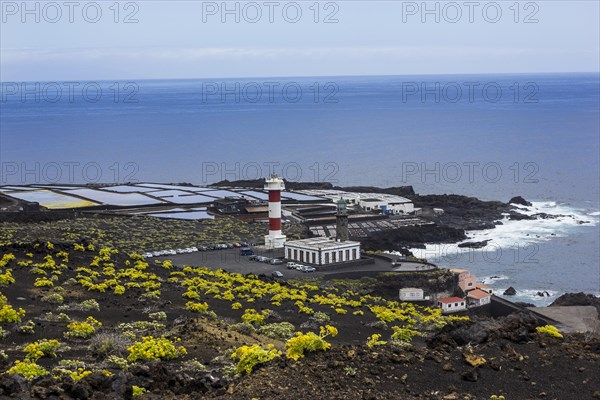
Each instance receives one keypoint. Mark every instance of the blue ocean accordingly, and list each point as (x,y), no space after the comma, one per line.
(489,136)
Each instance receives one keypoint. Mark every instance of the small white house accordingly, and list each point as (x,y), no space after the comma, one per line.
(452,304)
(411,294)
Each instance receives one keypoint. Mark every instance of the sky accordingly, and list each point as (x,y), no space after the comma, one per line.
(152,39)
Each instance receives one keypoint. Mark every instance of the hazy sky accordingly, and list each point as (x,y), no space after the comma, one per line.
(197,39)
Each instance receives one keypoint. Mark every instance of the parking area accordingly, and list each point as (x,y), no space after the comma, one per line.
(231,260)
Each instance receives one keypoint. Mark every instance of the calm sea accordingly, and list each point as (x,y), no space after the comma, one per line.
(490,136)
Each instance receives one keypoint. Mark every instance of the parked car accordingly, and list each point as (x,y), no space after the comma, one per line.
(276,261)
(309,269)
(277,274)
(262,259)
(246,251)
(253,257)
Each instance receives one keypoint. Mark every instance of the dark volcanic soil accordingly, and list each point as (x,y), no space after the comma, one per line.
(515,360)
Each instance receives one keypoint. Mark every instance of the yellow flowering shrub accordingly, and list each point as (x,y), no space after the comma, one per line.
(307,342)
(196,307)
(9,314)
(373,340)
(43,282)
(83,329)
(550,330)
(119,289)
(6,258)
(252,316)
(28,369)
(236,306)
(79,374)
(404,335)
(250,356)
(138,391)
(6,278)
(151,348)
(42,348)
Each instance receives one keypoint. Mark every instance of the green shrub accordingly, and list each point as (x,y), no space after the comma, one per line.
(53,298)
(27,328)
(279,330)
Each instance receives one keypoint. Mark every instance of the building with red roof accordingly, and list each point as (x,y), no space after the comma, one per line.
(452,304)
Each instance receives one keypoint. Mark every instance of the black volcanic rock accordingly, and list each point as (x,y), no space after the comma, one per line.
(412,236)
(511,291)
(462,212)
(406,191)
(577,299)
(474,245)
(260,183)
(516,216)
(519,200)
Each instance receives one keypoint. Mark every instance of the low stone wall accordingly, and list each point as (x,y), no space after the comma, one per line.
(346,264)
(390,258)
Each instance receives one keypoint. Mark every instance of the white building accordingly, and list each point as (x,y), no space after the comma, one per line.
(478,298)
(452,304)
(368,201)
(321,251)
(411,294)
(387,204)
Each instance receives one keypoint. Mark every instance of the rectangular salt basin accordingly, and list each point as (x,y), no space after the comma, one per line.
(184,215)
(128,189)
(170,210)
(113,198)
(52,200)
(23,188)
(158,186)
(196,198)
(257,195)
(299,196)
(171,193)
(220,193)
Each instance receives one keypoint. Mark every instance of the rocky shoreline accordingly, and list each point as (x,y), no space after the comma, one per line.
(461,214)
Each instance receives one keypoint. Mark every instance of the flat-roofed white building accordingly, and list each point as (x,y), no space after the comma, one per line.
(411,294)
(387,204)
(322,251)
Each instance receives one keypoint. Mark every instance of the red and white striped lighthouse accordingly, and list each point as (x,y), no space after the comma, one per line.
(274,185)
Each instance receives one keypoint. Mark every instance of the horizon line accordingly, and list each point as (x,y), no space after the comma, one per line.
(314,76)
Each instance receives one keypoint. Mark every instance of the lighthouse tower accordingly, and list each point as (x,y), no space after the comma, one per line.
(341,219)
(274,185)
